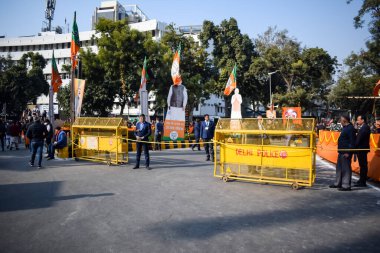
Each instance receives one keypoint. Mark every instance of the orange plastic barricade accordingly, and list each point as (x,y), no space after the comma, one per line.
(327,148)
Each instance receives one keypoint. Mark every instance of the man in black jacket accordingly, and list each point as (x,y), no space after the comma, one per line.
(346,143)
(362,144)
(36,133)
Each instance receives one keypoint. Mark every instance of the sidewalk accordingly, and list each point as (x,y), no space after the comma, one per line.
(178,206)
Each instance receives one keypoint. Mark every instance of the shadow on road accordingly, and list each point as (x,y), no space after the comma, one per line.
(26,196)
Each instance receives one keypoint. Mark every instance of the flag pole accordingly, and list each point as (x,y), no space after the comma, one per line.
(72,92)
(51,104)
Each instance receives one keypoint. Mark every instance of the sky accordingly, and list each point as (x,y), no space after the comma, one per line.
(326,24)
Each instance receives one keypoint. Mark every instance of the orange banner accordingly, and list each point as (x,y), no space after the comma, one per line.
(174,130)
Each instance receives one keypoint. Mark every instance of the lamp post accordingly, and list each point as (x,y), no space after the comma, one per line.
(270,85)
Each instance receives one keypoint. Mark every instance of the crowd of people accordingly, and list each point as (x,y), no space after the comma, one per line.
(335,125)
(36,132)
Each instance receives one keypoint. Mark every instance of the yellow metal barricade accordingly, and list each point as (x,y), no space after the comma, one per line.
(279,151)
(100,139)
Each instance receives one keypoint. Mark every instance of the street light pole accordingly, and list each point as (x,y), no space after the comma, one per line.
(270,85)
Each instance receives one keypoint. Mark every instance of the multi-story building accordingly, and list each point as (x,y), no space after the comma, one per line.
(45,42)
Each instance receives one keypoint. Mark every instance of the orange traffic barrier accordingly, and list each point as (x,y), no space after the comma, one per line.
(327,147)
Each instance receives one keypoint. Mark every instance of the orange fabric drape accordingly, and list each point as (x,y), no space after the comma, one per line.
(327,147)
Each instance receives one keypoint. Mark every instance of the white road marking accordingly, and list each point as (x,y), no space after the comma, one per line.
(330,166)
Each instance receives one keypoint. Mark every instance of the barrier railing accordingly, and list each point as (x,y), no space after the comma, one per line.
(276,151)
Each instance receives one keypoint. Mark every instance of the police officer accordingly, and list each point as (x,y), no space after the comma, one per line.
(143,131)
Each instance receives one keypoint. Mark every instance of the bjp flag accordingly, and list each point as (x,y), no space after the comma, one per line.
(175,67)
(75,43)
(231,83)
(56,80)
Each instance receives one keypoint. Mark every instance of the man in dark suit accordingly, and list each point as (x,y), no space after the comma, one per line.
(207,134)
(362,143)
(346,143)
(197,132)
(158,130)
(143,131)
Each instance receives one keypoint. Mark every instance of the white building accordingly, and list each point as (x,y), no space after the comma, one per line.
(45,42)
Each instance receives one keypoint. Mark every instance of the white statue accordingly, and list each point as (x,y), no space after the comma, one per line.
(236,101)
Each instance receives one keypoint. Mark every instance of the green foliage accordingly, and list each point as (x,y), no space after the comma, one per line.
(63,97)
(121,52)
(230,46)
(21,84)
(370,8)
(304,74)
(363,67)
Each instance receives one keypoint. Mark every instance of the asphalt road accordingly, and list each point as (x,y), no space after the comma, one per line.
(178,206)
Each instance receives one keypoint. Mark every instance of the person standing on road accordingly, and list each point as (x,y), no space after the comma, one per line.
(197,133)
(50,131)
(2,134)
(346,143)
(36,133)
(158,130)
(207,134)
(362,143)
(15,132)
(142,132)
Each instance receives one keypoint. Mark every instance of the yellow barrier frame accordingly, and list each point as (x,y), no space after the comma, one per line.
(100,139)
(241,158)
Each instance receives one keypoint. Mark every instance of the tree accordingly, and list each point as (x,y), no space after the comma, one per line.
(99,94)
(363,67)
(371,55)
(303,74)
(357,81)
(230,46)
(20,85)
(121,52)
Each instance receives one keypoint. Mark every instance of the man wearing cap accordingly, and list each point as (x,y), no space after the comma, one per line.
(207,134)
(346,143)
(36,133)
(142,132)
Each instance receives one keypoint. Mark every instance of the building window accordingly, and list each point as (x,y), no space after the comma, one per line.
(153,33)
(56,46)
(68,45)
